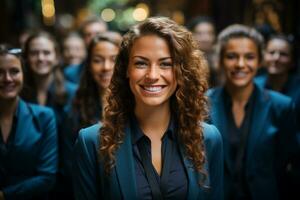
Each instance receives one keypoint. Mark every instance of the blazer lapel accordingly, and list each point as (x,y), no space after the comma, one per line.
(192,177)
(260,113)
(219,119)
(125,167)
(24,120)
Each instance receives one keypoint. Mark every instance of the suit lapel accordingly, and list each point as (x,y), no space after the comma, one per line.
(260,113)
(192,177)
(125,167)
(24,121)
(219,119)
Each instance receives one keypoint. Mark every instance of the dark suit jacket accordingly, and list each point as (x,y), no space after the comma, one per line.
(270,141)
(91,182)
(31,164)
(291,87)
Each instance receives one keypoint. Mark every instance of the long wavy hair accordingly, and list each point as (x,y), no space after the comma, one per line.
(29,92)
(86,101)
(188,103)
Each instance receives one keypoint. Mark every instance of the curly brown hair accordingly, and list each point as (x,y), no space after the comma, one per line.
(86,101)
(188,103)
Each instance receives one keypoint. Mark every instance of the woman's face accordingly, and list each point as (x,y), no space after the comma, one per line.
(151,71)
(42,57)
(74,50)
(204,33)
(278,57)
(11,76)
(240,62)
(102,62)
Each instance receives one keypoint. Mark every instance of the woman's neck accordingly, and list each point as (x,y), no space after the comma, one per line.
(153,121)
(8,107)
(43,82)
(277,81)
(240,95)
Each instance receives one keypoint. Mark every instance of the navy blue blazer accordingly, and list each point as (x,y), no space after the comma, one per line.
(91,182)
(73,73)
(30,165)
(291,87)
(271,140)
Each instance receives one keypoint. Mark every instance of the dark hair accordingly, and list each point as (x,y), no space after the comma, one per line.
(60,92)
(239,31)
(90,20)
(289,39)
(86,101)
(191,74)
(199,20)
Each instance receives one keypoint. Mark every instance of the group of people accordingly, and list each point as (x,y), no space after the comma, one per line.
(133,116)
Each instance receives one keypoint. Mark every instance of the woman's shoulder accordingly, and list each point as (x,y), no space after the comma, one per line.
(37,110)
(212,136)
(210,131)
(90,135)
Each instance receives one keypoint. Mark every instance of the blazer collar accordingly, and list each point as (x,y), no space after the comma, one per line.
(195,191)
(24,121)
(219,119)
(125,171)
(125,167)
(262,105)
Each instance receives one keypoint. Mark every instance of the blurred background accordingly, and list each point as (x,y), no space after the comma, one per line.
(62,16)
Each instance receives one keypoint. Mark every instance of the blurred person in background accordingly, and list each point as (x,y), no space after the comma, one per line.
(89,29)
(44,79)
(203,29)
(281,76)
(281,71)
(257,125)
(86,108)
(28,142)
(73,49)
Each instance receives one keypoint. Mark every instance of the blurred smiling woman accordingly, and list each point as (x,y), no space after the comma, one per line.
(28,143)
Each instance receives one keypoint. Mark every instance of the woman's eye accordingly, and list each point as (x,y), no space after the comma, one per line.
(250,57)
(166,64)
(14,72)
(230,56)
(140,64)
(97,60)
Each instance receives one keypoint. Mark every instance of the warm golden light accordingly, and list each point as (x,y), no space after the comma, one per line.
(139,14)
(178,17)
(48,11)
(108,14)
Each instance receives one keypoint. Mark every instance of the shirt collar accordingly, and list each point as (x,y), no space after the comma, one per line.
(137,132)
(228,100)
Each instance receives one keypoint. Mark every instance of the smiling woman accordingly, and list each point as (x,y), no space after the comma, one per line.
(86,108)
(152,142)
(151,73)
(257,125)
(28,136)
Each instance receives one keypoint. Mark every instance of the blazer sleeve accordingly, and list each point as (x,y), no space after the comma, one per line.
(84,167)
(214,148)
(46,166)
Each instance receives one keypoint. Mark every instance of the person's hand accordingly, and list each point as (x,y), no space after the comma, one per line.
(1,196)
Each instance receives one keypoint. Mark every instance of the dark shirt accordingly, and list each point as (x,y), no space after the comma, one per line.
(5,149)
(177,183)
(238,137)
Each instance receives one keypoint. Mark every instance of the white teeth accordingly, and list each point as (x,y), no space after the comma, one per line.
(239,74)
(153,89)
